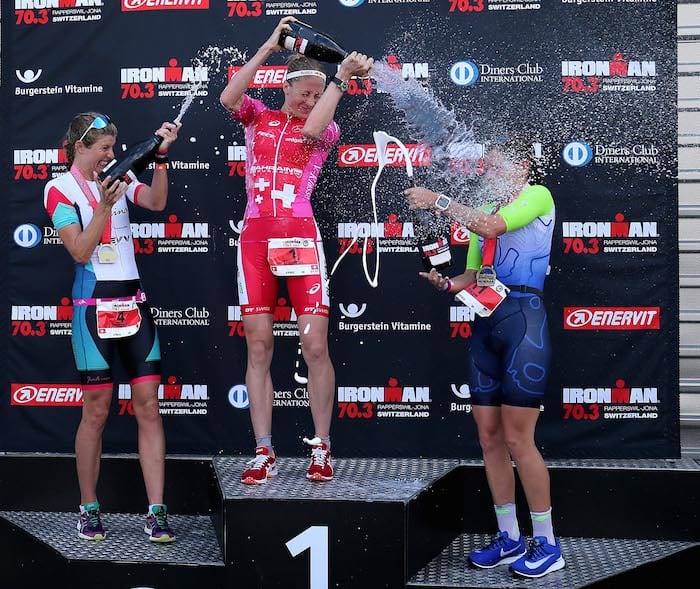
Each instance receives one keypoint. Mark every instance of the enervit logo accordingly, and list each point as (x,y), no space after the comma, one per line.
(351,3)
(464,73)
(352,310)
(577,154)
(27,235)
(46,395)
(28,76)
(611,318)
(238,396)
(365,155)
(165,5)
(459,235)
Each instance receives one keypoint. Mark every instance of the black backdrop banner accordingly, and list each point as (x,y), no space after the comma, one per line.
(594,82)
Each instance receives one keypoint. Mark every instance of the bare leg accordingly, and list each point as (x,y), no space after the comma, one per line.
(313,333)
(519,426)
(497,460)
(260,344)
(88,441)
(144,396)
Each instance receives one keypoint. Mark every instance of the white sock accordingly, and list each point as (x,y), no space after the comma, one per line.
(542,525)
(507,520)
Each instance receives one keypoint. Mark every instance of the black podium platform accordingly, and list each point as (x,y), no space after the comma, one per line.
(381,523)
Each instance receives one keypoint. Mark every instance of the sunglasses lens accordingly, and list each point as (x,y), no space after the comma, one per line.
(100,122)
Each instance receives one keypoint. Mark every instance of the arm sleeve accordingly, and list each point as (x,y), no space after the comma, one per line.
(250,108)
(473,252)
(533,202)
(60,208)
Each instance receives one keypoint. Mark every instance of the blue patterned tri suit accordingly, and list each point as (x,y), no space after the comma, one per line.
(509,356)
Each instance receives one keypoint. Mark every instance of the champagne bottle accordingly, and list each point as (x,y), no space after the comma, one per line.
(433,247)
(136,159)
(303,39)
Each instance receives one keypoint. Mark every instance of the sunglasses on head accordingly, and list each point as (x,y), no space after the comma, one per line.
(99,122)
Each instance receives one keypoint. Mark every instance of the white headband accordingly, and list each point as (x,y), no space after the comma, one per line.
(300,73)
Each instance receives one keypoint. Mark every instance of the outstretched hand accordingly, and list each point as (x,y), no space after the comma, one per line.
(434,277)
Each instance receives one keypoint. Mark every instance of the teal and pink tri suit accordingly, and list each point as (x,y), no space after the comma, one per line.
(68,203)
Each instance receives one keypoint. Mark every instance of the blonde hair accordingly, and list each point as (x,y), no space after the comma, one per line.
(77,127)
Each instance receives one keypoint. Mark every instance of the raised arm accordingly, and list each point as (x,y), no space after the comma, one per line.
(355,64)
(484,224)
(232,96)
(155,196)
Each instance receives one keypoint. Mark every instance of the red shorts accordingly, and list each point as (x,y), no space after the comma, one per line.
(258,286)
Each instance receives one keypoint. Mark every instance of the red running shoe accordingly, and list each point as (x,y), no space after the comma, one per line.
(260,468)
(320,468)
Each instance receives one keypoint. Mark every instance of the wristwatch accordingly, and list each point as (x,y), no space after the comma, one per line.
(442,202)
(342,84)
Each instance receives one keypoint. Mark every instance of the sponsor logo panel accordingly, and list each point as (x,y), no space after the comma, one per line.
(620,236)
(393,401)
(618,402)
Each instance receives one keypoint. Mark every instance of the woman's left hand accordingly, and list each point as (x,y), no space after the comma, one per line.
(168,131)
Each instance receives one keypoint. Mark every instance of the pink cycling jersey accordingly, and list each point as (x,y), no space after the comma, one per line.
(282,168)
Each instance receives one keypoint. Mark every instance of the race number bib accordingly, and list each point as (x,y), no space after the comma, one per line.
(116,319)
(293,256)
(483,300)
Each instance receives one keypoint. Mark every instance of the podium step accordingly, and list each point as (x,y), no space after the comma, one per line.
(376,521)
(389,523)
(589,562)
(42,549)
(126,541)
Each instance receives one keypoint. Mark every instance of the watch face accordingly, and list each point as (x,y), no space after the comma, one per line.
(442,202)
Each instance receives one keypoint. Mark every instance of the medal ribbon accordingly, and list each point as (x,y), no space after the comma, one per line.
(488,251)
(92,201)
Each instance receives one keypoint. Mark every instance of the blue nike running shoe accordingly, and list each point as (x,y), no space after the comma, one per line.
(501,550)
(541,558)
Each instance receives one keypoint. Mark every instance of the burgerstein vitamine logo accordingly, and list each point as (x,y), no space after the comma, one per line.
(28,76)
(352,310)
(351,3)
